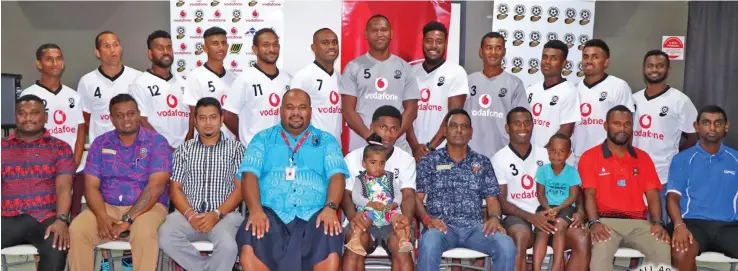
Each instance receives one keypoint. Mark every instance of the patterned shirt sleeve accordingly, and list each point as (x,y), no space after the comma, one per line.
(491,187)
(238,154)
(179,166)
(65,159)
(161,161)
(334,162)
(253,159)
(424,174)
(94,158)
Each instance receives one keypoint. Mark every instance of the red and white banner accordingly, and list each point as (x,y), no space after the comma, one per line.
(407,20)
(673,46)
(239,18)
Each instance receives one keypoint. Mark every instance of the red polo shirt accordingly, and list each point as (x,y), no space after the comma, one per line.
(620,181)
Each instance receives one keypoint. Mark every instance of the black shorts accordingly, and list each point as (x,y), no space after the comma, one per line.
(298,245)
(717,236)
(565,213)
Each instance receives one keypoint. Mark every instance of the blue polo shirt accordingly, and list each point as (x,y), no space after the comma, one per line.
(454,191)
(316,161)
(707,183)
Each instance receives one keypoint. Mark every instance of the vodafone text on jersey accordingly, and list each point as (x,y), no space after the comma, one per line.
(203,82)
(518,172)
(552,107)
(161,102)
(436,86)
(65,113)
(323,90)
(96,89)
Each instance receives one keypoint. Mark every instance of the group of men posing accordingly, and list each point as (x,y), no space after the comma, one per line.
(471,187)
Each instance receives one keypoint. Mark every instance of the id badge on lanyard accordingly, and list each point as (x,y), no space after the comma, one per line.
(291,170)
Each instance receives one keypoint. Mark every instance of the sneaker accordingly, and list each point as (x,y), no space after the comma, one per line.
(127,264)
(104,265)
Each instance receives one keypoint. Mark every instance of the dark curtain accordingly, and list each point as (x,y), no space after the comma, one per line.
(711,73)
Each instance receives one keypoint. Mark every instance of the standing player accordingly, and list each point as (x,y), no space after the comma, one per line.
(375,79)
(664,115)
(65,120)
(96,88)
(554,102)
(320,81)
(211,79)
(598,92)
(247,115)
(159,93)
(493,93)
(443,86)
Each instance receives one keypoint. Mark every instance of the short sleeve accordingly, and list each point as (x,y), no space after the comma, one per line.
(83,92)
(648,176)
(65,159)
(161,159)
(519,96)
(408,175)
(499,167)
(411,90)
(192,92)
(491,187)
(353,170)
(94,158)
(574,179)
(143,100)
(238,153)
(253,159)
(347,83)
(180,171)
(570,109)
(687,116)
(541,176)
(334,162)
(425,174)
(678,175)
(625,97)
(78,110)
(459,84)
(236,95)
(587,171)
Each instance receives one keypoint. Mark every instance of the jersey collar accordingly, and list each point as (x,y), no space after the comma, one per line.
(606,153)
(46,135)
(434,68)
(112,79)
(522,157)
(55,92)
(703,151)
(657,95)
(321,67)
(595,83)
(270,76)
(546,88)
(220,75)
(162,78)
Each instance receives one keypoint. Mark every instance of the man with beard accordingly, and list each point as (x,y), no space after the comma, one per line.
(36,165)
(126,177)
(211,79)
(320,80)
(206,195)
(615,178)
(493,93)
(702,194)
(598,92)
(293,178)
(386,123)
(515,167)
(246,113)
(664,116)
(160,93)
(375,79)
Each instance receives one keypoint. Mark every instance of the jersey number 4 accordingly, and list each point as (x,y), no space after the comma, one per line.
(154,90)
(97,93)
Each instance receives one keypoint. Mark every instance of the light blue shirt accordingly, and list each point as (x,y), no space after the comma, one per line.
(557,187)
(316,161)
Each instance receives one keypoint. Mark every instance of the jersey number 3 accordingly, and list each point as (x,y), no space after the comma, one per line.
(514,170)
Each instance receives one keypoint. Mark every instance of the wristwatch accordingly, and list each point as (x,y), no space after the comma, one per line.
(127,218)
(332,206)
(430,146)
(591,223)
(659,222)
(64,218)
(220,215)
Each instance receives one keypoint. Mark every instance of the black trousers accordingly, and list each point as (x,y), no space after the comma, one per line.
(24,229)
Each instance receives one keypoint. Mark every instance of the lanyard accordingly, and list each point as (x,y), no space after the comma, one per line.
(299,144)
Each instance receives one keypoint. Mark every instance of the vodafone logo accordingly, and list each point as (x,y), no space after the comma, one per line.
(255,14)
(198,30)
(172,101)
(527,182)
(199,63)
(274,99)
(333,97)
(217,13)
(537,108)
(381,84)
(234,64)
(586,109)
(485,101)
(222,99)
(645,121)
(59,117)
(182,14)
(425,95)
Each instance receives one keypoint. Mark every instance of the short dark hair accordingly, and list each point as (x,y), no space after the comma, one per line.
(121,98)
(557,44)
(40,50)
(711,109)
(262,32)
(456,111)
(155,35)
(213,31)
(618,108)
(559,136)
(321,30)
(518,109)
(375,16)
(599,44)
(97,38)
(435,26)
(492,35)
(208,101)
(657,52)
(28,98)
(387,111)
(374,145)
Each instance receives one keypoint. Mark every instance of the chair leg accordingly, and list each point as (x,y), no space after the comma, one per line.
(732,266)
(110,259)
(5,263)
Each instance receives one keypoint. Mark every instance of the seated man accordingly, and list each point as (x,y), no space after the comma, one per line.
(126,177)
(293,180)
(515,167)
(206,193)
(35,202)
(386,123)
(615,176)
(456,180)
(702,194)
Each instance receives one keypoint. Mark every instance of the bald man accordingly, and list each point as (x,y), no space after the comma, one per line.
(303,229)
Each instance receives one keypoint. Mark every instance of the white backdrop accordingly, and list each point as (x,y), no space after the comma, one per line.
(528,25)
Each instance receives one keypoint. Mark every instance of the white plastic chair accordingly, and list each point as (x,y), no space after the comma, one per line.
(378,260)
(628,253)
(202,246)
(715,257)
(19,250)
(466,254)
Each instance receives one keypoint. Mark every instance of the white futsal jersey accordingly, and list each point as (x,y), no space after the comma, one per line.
(203,82)
(324,96)
(552,107)
(64,109)
(161,102)
(436,86)
(96,89)
(518,172)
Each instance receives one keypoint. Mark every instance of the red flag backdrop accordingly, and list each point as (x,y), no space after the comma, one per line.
(407,20)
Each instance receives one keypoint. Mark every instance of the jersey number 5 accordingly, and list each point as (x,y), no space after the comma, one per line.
(211,87)
(367,74)
(514,170)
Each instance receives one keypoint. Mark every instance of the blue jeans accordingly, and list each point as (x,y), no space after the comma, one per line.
(433,243)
